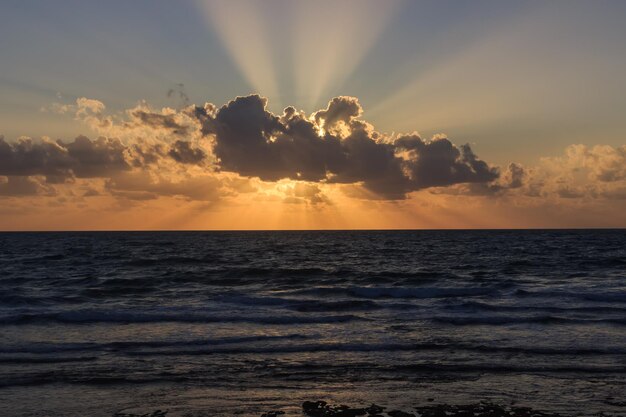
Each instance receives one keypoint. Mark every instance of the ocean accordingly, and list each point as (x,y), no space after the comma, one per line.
(241,323)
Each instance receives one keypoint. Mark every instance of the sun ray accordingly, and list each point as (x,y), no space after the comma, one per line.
(245,35)
(325,41)
(330,39)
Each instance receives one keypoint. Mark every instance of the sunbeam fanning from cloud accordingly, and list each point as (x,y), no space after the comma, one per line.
(330,39)
(245,34)
(298,49)
(484,85)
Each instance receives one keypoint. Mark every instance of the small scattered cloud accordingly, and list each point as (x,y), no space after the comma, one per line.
(305,193)
(20,186)
(178,93)
(142,185)
(184,153)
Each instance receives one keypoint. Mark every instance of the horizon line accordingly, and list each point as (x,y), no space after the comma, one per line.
(314,230)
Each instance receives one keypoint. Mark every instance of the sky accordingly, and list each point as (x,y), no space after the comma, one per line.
(299,114)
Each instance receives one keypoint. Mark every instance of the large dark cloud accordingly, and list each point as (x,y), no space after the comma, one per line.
(334,146)
(82,158)
(96,158)
(253,142)
(512,178)
(440,163)
(27,157)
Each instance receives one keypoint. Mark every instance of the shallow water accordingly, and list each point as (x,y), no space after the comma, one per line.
(221,322)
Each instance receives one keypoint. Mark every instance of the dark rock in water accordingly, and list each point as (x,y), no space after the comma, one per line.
(273,414)
(374,410)
(322,409)
(157,413)
(398,413)
(345,411)
(314,409)
(482,409)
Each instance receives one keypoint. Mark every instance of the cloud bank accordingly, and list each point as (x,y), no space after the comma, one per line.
(206,153)
(331,146)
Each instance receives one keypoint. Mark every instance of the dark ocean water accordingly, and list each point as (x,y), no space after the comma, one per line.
(220,323)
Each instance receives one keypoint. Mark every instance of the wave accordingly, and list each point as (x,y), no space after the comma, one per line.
(496,368)
(268,344)
(100,316)
(397,292)
(43,258)
(301,305)
(216,269)
(409,277)
(43,359)
(477,305)
(49,348)
(235,272)
(379,347)
(169,260)
(346,305)
(12,299)
(309,371)
(53,378)
(618,296)
(540,319)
